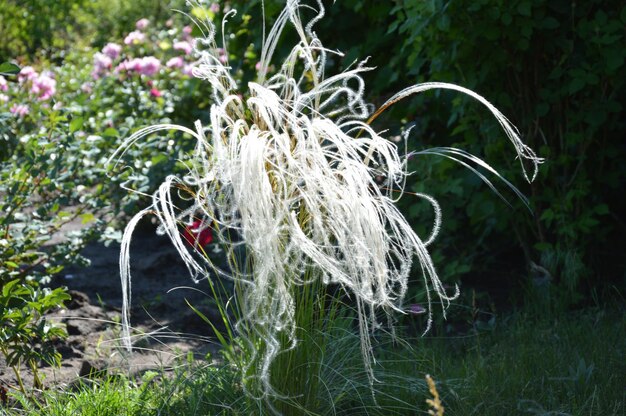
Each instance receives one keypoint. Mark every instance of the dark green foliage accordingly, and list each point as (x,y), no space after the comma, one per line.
(44,27)
(29,26)
(557,70)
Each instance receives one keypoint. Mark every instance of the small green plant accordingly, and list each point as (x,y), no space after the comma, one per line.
(26,336)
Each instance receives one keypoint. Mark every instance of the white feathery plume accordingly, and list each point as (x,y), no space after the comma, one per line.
(295,179)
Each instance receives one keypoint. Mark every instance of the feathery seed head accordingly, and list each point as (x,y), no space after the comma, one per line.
(292,169)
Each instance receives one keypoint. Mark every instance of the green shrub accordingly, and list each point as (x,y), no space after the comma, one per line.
(40,193)
(35,26)
(558,69)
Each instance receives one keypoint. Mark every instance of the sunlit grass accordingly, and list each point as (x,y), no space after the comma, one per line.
(527,366)
(569,365)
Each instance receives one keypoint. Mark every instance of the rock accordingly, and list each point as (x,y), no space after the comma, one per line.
(92,369)
(79,299)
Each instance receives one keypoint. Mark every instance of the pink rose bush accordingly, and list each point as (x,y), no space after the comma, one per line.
(142,24)
(175,62)
(134,38)
(184,46)
(120,60)
(112,50)
(151,59)
(148,66)
(26,74)
(101,64)
(20,110)
(32,89)
(44,87)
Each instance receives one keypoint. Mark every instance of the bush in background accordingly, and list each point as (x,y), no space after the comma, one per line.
(558,70)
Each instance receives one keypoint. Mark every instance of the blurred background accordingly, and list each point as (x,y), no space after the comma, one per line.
(555,68)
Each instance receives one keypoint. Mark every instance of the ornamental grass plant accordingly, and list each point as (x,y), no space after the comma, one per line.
(299,190)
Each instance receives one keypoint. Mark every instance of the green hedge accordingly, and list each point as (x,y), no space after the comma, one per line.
(557,69)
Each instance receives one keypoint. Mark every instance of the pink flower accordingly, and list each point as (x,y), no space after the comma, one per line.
(134,38)
(176,62)
(416,309)
(187,30)
(44,87)
(102,63)
(149,65)
(27,73)
(184,46)
(258,66)
(19,109)
(142,24)
(188,70)
(221,55)
(3,84)
(123,66)
(155,93)
(87,87)
(215,8)
(112,50)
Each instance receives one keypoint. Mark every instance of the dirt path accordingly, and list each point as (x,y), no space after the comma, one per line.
(164,326)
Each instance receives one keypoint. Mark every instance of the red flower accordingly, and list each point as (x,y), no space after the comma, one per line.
(155,93)
(197,234)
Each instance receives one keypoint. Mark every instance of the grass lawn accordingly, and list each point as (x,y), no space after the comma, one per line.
(571,365)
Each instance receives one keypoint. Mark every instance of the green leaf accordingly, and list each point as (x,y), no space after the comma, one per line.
(576,85)
(7,68)
(524,8)
(543,246)
(87,218)
(602,209)
(76,124)
(550,23)
(506,18)
(547,215)
(202,316)
(111,132)
(614,60)
(6,289)
(542,109)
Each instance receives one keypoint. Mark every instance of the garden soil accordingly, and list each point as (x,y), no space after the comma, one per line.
(165,328)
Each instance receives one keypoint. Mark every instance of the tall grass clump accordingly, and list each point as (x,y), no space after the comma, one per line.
(287,174)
